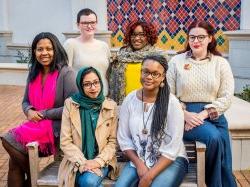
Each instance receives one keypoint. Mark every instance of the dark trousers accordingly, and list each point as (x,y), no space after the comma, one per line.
(218,153)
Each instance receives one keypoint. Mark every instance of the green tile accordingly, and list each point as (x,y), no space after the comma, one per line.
(164,39)
(181,39)
(220,40)
(119,38)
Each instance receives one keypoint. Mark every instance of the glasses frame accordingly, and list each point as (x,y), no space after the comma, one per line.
(154,75)
(140,35)
(89,85)
(87,23)
(200,38)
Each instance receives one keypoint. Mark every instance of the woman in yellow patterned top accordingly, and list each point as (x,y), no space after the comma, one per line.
(125,70)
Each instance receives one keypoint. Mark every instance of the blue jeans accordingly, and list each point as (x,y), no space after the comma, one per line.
(218,153)
(170,177)
(91,179)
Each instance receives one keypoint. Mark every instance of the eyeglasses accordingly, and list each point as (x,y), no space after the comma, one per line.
(139,34)
(87,23)
(154,75)
(90,84)
(200,38)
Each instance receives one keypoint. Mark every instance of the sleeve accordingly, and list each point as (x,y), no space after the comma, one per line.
(69,87)
(110,149)
(70,150)
(172,144)
(26,103)
(171,76)
(69,50)
(107,50)
(226,89)
(124,136)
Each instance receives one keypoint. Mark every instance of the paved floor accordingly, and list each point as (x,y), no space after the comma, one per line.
(11,115)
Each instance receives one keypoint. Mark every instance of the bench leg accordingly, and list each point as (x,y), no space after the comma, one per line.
(34,162)
(200,151)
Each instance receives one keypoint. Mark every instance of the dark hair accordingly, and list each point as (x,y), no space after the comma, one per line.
(210,31)
(148,28)
(161,104)
(60,58)
(85,12)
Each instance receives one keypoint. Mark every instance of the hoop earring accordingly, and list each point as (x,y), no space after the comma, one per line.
(162,84)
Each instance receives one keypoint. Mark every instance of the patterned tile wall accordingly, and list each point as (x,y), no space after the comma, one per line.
(172,18)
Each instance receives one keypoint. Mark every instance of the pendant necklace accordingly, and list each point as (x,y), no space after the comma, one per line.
(145,130)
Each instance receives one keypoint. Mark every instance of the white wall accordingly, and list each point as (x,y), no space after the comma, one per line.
(29,17)
(3,15)
(245,14)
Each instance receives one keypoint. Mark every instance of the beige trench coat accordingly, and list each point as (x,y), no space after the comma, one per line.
(71,140)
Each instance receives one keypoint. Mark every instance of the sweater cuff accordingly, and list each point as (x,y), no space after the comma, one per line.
(212,112)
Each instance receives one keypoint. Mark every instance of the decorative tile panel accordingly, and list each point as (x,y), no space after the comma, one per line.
(172,18)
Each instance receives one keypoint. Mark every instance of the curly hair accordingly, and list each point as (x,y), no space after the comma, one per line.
(210,31)
(148,28)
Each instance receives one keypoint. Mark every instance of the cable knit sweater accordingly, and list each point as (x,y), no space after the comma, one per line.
(208,80)
(95,54)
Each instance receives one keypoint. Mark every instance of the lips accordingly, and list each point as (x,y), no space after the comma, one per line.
(147,83)
(196,46)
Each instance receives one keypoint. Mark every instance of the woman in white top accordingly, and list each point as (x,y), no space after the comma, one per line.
(203,81)
(85,50)
(150,131)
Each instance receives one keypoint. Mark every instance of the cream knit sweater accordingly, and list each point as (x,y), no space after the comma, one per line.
(202,81)
(95,54)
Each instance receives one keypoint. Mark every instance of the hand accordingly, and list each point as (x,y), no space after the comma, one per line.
(141,169)
(91,164)
(146,180)
(192,120)
(203,114)
(34,116)
(97,171)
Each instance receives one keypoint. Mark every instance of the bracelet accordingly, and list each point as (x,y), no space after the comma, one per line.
(212,113)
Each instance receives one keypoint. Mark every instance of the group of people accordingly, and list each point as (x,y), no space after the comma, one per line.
(161,104)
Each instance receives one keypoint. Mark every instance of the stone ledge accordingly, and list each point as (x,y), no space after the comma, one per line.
(13,66)
(5,33)
(238,116)
(238,34)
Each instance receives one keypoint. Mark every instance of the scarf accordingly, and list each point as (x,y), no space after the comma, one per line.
(118,66)
(89,112)
(41,97)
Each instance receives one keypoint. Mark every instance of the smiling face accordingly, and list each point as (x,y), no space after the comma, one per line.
(87,24)
(199,40)
(44,52)
(138,38)
(91,85)
(152,75)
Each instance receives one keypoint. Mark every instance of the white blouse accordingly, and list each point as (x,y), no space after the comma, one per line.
(130,128)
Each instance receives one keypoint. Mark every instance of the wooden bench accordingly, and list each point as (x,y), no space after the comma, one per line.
(48,176)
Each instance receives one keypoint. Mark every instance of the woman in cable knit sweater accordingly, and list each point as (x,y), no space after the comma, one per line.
(85,50)
(203,82)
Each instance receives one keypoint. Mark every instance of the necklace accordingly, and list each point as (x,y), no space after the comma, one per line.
(145,130)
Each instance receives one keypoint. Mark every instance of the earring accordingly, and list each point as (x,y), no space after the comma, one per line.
(162,84)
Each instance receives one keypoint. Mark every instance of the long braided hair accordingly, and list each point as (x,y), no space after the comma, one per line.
(161,104)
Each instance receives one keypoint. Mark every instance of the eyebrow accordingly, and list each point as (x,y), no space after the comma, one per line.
(90,81)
